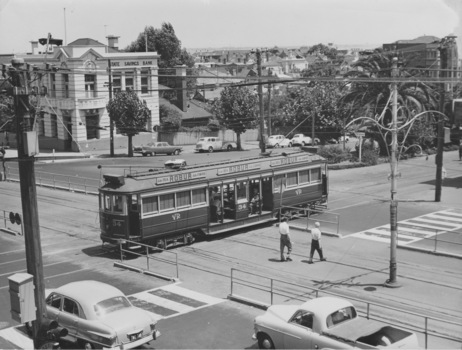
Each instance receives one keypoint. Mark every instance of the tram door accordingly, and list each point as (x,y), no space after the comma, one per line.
(267,193)
(134,216)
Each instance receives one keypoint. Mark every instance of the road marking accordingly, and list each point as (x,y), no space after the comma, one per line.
(415,229)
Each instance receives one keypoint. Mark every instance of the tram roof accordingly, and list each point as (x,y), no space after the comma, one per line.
(210,172)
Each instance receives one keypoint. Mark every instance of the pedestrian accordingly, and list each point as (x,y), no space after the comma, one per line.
(285,238)
(315,242)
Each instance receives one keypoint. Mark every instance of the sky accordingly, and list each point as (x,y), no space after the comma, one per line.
(230,23)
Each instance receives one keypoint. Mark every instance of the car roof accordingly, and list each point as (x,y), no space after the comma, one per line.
(324,306)
(91,291)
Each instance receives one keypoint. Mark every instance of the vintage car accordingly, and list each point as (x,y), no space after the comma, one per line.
(153,148)
(326,323)
(278,141)
(210,144)
(98,315)
(301,140)
(175,163)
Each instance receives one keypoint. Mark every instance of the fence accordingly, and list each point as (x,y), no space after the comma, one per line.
(161,259)
(59,181)
(450,245)
(254,284)
(191,138)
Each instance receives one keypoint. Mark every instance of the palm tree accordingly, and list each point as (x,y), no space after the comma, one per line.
(372,98)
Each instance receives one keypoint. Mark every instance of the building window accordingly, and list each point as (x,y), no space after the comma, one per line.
(144,82)
(129,82)
(54,125)
(66,85)
(52,85)
(92,123)
(116,84)
(90,85)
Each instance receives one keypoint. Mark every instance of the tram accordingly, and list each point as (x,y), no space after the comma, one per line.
(167,207)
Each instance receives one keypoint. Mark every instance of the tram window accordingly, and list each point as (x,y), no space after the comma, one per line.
(167,202)
(303,176)
(118,205)
(134,204)
(292,179)
(198,196)
(107,202)
(183,199)
(150,205)
(241,190)
(315,174)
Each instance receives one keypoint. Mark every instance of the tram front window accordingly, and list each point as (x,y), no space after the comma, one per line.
(114,203)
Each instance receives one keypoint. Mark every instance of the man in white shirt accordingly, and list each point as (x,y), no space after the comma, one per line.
(315,242)
(285,238)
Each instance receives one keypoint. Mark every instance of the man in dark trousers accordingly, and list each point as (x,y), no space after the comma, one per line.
(315,242)
(285,238)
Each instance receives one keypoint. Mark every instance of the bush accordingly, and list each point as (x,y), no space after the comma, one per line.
(370,157)
(334,154)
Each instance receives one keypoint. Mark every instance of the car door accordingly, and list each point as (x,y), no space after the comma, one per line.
(70,316)
(299,334)
(53,305)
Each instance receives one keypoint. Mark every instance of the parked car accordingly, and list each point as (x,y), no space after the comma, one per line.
(210,144)
(302,140)
(278,141)
(98,315)
(326,323)
(153,148)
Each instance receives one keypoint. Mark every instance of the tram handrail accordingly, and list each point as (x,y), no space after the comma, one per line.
(273,291)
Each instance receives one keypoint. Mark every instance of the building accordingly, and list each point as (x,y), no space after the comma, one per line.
(72,85)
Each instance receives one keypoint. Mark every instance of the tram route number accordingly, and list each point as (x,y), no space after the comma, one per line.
(117,223)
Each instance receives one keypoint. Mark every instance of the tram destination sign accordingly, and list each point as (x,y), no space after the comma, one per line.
(290,160)
(237,168)
(179,177)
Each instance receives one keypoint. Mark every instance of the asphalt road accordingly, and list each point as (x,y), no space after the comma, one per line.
(356,267)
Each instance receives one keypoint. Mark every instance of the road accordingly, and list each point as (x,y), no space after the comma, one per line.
(356,267)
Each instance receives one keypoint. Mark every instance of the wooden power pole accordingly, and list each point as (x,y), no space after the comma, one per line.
(26,145)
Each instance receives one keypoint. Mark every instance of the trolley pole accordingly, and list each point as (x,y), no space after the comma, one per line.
(392,282)
(28,194)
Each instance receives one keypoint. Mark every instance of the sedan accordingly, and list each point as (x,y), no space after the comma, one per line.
(154,148)
(98,315)
(278,141)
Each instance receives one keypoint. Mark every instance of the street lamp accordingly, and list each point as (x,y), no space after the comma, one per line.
(392,281)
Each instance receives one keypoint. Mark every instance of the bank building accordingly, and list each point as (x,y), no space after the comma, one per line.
(72,84)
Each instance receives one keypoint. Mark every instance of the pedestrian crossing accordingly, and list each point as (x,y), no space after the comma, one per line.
(164,302)
(171,300)
(416,229)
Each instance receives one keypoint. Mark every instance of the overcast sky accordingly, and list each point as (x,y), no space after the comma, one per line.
(230,23)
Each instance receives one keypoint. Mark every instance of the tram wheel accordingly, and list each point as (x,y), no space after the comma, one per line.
(189,239)
(161,244)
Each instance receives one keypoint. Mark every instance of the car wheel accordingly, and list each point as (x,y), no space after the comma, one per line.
(176,152)
(276,145)
(152,154)
(183,164)
(229,148)
(265,342)
(85,344)
(290,145)
(144,154)
(303,143)
(210,149)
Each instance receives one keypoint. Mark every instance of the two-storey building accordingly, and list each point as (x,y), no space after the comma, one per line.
(73,83)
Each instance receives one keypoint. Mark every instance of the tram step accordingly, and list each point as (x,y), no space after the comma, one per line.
(133,247)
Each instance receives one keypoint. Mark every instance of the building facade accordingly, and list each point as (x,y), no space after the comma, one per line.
(73,90)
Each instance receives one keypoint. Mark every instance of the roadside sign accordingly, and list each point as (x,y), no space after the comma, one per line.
(360,134)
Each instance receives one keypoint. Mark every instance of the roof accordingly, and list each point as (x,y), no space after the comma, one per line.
(424,39)
(195,109)
(85,42)
(91,291)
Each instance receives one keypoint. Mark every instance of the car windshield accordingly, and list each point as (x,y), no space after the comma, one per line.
(110,305)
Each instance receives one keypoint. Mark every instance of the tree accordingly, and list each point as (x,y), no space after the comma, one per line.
(170,118)
(237,109)
(329,52)
(371,98)
(129,114)
(318,102)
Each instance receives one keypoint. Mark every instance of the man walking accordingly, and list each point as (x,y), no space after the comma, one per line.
(285,238)
(315,242)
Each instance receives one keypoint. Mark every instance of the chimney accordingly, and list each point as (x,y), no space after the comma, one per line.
(182,101)
(34,47)
(113,41)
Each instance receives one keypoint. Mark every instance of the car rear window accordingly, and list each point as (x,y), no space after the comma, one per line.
(110,305)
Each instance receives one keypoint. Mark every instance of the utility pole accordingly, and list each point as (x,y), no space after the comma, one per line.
(440,136)
(111,121)
(25,145)
(391,282)
(269,109)
(260,97)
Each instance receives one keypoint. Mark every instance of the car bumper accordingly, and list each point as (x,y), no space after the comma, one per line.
(138,342)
